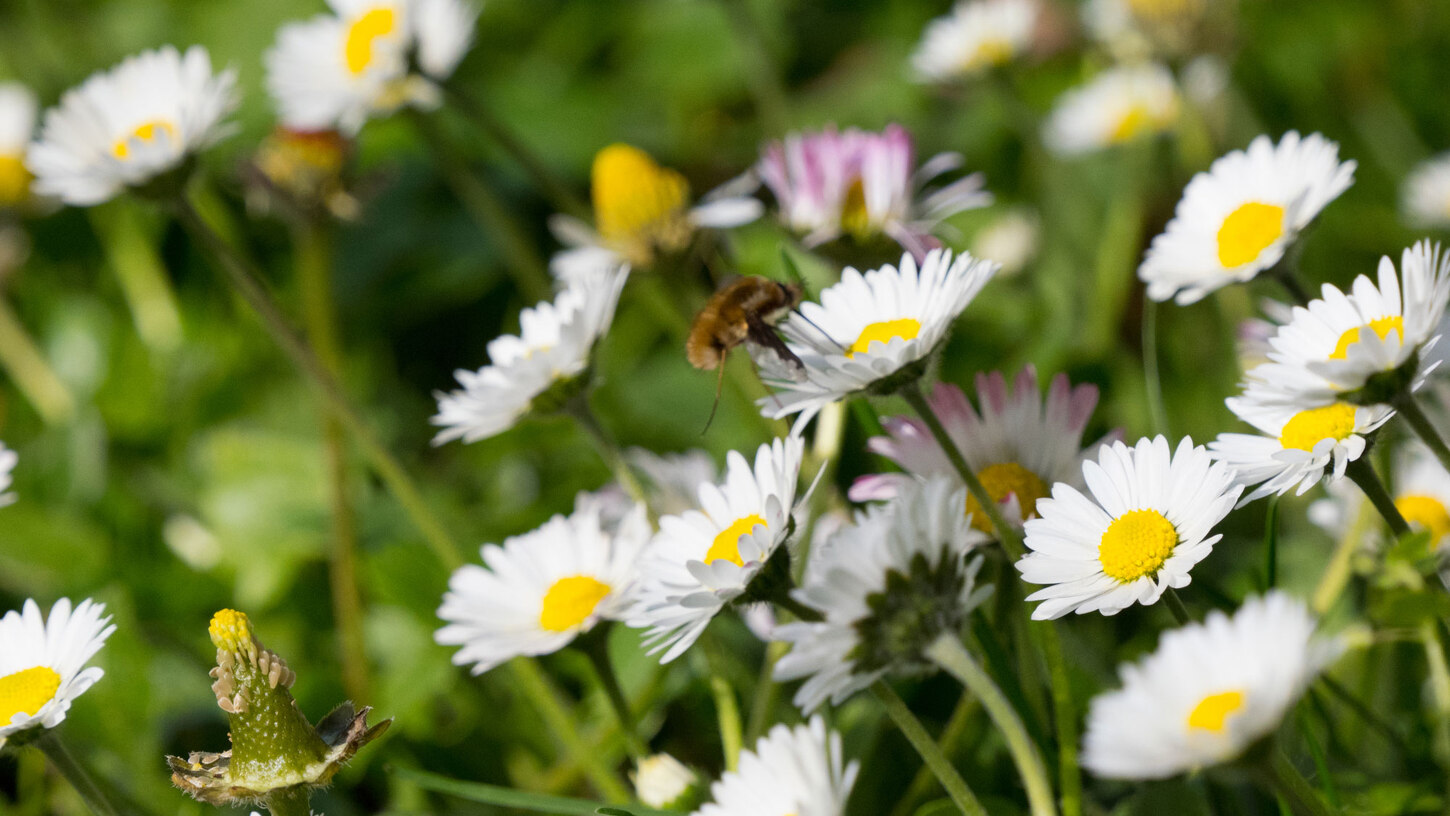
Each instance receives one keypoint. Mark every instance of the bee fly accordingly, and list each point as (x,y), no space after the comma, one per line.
(745,311)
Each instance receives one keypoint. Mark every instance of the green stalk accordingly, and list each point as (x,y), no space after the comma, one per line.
(490,212)
(314,274)
(727,709)
(951,734)
(243,276)
(290,802)
(98,797)
(1065,715)
(1316,752)
(947,652)
(1341,565)
(148,292)
(767,691)
(930,752)
(596,648)
(1280,775)
(608,449)
(31,372)
(1151,375)
(1439,689)
(1362,474)
(559,720)
(1010,537)
(1410,409)
(1177,607)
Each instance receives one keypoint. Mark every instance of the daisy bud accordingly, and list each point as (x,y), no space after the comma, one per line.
(301,172)
(663,782)
(276,753)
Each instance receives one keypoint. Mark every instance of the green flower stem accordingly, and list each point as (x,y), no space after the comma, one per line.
(242,275)
(1010,537)
(1065,715)
(608,449)
(1287,274)
(558,719)
(1410,409)
(727,709)
(952,733)
(98,797)
(596,647)
(930,752)
(290,802)
(1341,565)
(767,691)
(947,651)
(1362,474)
(1177,607)
(1280,776)
(1151,376)
(314,273)
(1439,689)
(131,253)
(559,195)
(489,211)
(1271,544)
(31,372)
(800,610)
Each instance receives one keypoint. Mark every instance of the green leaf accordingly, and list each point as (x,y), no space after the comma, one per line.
(523,800)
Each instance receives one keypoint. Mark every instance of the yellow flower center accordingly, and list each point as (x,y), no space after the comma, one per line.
(1381,326)
(1002,480)
(1134,123)
(993,51)
(907,328)
(727,543)
(570,601)
(1162,10)
(25,692)
(855,218)
(14,179)
(1427,513)
(636,200)
(146,132)
(1136,544)
(231,631)
(1305,429)
(1248,231)
(1212,712)
(364,31)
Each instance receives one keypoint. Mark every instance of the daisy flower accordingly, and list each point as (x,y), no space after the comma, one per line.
(887,587)
(1365,347)
(1133,29)
(1208,693)
(1011,240)
(338,70)
(1426,193)
(1145,526)
(1294,447)
(798,771)
(975,36)
(641,211)
(1421,494)
(542,589)
(43,662)
(1017,446)
(1238,219)
(552,349)
(870,331)
(661,781)
(8,460)
(129,125)
(705,558)
(862,185)
(17,124)
(1118,106)
(673,479)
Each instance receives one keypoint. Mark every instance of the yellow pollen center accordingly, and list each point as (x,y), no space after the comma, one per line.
(1135,122)
(635,199)
(1163,10)
(364,31)
(727,543)
(14,179)
(570,601)
(1380,325)
(25,692)
(1248,231)
(855,218)
(1004,479)
(1305,429)
(1212,712)
(994,51)
(230,630)
(146,132)
(1136,544)
(907,328)
(1426,513)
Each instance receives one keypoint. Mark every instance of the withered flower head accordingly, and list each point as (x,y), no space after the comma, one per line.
(276,753)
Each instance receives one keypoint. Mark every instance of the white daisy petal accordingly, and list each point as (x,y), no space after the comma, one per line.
(975,36)
(798,771)
(43,662)
(1119,105)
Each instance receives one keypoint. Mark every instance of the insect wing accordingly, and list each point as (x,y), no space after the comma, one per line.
(770,353)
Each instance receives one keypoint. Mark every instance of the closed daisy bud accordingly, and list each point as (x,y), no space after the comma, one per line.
(8,460)
(1210,692)
(641,213)
(1118,106)
(1145,526)
(1240,217)
(886,587)
(661,781)
(276,753)
(976,36)
(540,370)
(17,124)
(43,664)
(796,770)
(1425,196)
(1367,346)
(132,126)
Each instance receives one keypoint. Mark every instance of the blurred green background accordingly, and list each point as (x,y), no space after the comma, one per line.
(192,478)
